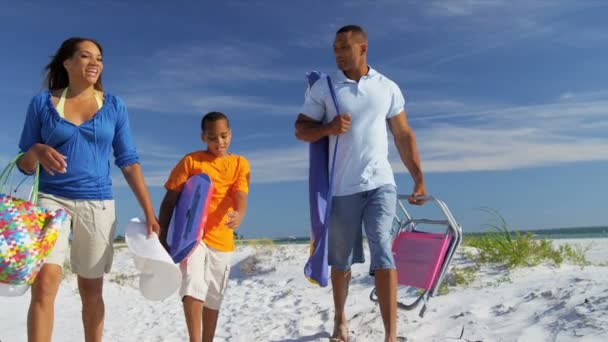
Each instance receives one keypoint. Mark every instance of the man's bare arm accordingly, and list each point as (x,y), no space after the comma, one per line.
(408,151)
(310,130)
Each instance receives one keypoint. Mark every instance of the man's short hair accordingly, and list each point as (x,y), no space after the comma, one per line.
(355,29)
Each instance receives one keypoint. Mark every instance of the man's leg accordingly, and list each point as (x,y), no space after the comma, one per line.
(386,288)
(339,283)
(378,217)
(345,247)
(193,310)
(93,309)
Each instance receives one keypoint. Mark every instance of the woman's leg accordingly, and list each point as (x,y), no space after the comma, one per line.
(93,308)
(41,313)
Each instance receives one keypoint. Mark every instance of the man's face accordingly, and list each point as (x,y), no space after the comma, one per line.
(349,50)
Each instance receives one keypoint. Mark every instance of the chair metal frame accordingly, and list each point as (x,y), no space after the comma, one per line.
(409,224)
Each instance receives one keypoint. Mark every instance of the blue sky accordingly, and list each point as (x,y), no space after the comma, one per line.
(508,99)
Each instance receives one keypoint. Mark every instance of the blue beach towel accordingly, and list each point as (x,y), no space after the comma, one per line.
(320,185)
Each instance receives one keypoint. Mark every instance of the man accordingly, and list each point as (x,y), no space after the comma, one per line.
(364,190)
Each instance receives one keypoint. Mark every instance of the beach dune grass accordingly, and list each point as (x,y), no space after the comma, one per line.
(503,246)
(515,249)
(255,242)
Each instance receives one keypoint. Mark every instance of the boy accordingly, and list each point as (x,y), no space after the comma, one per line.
(205,272)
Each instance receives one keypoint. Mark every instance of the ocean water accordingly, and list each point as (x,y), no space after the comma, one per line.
(551,234)
(557,236)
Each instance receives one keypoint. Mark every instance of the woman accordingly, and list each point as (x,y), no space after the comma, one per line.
(70,130)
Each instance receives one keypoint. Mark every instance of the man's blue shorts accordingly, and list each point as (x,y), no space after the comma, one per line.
(373,210)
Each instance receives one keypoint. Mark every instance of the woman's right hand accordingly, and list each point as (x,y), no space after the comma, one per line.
(50,160)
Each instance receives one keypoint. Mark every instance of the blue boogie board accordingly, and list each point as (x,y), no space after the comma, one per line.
(188,222)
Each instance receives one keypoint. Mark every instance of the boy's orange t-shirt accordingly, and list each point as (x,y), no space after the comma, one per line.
(228,174)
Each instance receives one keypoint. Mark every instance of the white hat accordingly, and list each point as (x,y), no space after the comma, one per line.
(10,290)
(159,277)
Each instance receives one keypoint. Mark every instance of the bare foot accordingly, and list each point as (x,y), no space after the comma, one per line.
(340,332)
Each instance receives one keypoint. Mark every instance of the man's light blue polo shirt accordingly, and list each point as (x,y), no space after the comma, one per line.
(362,157)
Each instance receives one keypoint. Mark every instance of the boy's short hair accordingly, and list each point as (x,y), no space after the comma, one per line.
(212,117)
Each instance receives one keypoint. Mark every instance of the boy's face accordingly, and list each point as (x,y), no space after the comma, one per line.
(217,137)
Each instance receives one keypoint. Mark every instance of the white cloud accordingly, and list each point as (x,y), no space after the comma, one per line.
(270,165)
(213,63)
(479,8)
(217,71)
(434,106)
(320,36)
(462,7)
(279,164)
(464,28)
(582,37)
(226,62)
(453,135)
(559,115)
(570,96)
(513,137)
(454,149)
(504,138)
(190,103)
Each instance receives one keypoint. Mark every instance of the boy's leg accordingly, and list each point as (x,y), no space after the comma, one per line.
(378,219)
(193,310)
(345,247)
(209,324)
(193,290)
(218,272)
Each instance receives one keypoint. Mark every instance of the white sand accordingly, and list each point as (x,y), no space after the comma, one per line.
(269,300)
